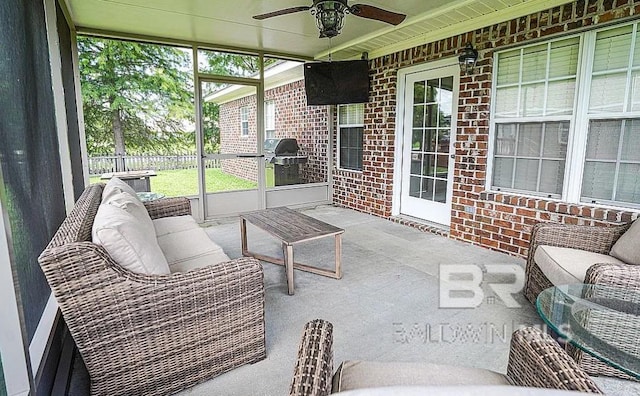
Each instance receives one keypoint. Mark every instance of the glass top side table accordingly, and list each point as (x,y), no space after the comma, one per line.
(603,321)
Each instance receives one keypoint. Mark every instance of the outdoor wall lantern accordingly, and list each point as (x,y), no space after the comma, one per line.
(468,59)
(330,17)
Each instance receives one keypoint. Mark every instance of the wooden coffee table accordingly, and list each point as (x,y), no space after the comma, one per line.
(291,227)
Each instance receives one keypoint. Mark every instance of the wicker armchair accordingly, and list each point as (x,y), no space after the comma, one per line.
(535,360)
(591,239)
(141,334)
(588,238)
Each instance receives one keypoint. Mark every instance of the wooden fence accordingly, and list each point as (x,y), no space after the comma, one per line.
(107,164)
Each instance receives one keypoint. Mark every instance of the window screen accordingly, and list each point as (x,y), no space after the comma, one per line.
(29,150)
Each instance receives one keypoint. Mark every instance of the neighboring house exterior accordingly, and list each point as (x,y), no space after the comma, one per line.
(546,128)
(286,116)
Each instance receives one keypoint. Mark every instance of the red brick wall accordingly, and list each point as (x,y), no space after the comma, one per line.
(498,221)
(231,140)
(293,118)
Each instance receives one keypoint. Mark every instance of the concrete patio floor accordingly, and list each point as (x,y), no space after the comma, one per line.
(385,308)
(382,308)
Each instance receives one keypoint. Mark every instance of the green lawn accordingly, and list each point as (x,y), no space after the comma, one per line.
(181,182)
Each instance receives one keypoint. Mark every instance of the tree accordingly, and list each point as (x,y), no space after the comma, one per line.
(136,96)
(224,64)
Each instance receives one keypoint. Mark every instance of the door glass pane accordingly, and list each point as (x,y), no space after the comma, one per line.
(418,116)
(440,193)
(443,140)
(416,140)
(433,114)
(427,189)
(428,165)
(416,164)
(419,92)
(415,186)
(434,138)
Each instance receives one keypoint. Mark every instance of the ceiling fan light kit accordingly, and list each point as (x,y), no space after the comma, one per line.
(330,17)
(330,14)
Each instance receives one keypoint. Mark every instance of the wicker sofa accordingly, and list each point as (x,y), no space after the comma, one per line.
(152,334)
(535,360)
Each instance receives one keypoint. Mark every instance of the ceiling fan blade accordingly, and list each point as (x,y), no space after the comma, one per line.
(371,12)
(281,12)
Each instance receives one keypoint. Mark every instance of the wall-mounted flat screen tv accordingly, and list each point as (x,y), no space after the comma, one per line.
(328,83)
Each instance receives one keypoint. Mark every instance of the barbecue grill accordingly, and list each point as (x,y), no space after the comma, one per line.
(282,156)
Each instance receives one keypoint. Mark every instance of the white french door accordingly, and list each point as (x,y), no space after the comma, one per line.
(428,133)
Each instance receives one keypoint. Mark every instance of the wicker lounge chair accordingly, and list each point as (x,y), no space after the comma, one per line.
(153,335)
(535,360)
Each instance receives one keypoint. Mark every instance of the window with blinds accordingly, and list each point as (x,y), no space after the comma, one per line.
(244,121)
(350,136)
(542,119)
(270,119)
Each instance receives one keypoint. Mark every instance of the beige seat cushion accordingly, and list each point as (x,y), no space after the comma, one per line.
(567,266)
(174,224)
(189,249)
(128,241)
(115,186)
(356,374)
(627,247)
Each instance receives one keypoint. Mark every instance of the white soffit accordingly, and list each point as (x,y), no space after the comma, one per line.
(228,24)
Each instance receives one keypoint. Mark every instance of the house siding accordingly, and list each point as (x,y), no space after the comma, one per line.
(497,221)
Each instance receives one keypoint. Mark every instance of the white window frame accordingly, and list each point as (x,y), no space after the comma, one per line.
(579,121)
(340,126)
(244,121)
(269,119)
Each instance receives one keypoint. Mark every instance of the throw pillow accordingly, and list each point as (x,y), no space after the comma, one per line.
(129,243)
(133,206)
(627,247)
(116,186)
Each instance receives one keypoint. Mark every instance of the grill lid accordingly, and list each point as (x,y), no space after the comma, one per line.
(286,146)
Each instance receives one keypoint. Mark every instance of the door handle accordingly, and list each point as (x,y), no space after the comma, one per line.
(250,156)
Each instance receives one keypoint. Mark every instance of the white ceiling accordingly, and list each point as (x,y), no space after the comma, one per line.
(228,23)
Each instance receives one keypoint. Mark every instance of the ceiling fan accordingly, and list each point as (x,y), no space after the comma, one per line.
(330,14)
